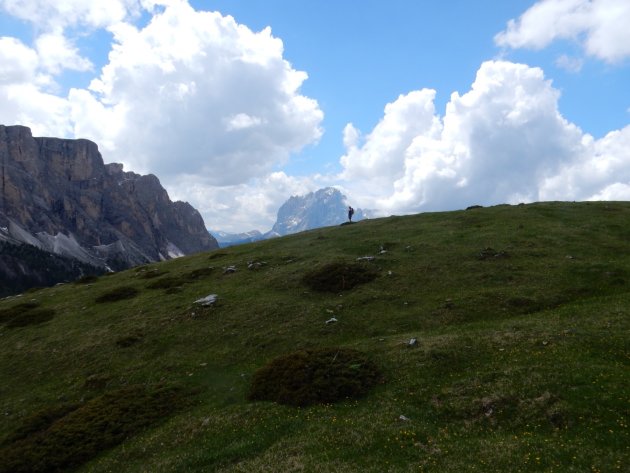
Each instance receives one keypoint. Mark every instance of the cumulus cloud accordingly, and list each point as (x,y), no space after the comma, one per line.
(198,94)
(600,26)
(502,141)
(18,62)
(569,64)
(57,15)
(57,53)
(193,97)
(22,99)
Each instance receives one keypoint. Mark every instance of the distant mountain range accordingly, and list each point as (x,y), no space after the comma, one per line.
(323,208)
(230,239)
(58,196)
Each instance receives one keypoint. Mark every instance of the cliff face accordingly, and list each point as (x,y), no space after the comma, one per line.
(58,195)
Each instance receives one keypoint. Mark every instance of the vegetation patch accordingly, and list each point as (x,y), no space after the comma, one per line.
(490,254)
(88,279)
(26,313)
(199,273)
(150,274)
(64,437)
(118,294)
(32,317)
(16,310)
(128,341)
(166,283)
(337,277)
(318,376)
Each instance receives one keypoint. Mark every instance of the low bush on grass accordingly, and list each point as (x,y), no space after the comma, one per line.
(26,313)
(318,376)
(32,317)
(89,279)
(337,277)
(64,437)
(150,274)
(118,294)
(166,283)
(18,309)
(129,340)
(199,273)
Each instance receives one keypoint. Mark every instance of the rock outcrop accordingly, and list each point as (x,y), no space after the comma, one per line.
(59,196)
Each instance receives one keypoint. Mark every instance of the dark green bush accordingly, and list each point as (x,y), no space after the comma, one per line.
(32,317)
(64,437)
(337,277)
(128,341)
(315,377)
(26,313)
(199,273)
(166,283)
(118,294)
(153,273)
(89,279)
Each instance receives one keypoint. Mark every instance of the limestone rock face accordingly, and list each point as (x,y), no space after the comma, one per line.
(58,195)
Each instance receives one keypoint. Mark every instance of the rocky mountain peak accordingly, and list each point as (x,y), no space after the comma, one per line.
(322,208)
(58,194)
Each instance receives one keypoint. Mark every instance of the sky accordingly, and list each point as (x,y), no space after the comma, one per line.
(405,106)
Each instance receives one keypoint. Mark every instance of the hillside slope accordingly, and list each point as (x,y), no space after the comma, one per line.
(521,316)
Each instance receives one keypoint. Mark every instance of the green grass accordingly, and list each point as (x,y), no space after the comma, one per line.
(521,315)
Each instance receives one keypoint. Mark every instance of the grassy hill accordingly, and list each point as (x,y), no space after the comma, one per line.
(521,315)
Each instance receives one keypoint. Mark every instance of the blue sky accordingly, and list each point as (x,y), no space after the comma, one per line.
(221,112)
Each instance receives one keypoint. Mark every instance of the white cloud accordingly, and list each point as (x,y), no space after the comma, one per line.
(56,15)
(18,62)
(502,141)
(22,100)
(191,93)
(600,26)
(379,156)
(198,94)
(56,53)
(569,64)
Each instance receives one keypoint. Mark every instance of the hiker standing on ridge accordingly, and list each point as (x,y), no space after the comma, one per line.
(350,213)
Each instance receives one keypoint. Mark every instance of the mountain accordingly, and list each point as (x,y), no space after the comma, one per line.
(59,196)
(226,239)
(323,208)
(500,334)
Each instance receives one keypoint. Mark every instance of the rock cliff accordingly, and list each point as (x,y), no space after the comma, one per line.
(59,196)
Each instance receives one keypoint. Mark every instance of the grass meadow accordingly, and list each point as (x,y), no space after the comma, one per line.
(521,360)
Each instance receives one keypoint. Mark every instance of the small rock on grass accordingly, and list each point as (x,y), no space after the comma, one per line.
(208,300)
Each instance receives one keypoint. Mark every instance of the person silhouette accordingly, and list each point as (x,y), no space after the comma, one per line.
(350,213)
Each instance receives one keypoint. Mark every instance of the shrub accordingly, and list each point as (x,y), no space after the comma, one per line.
(128,341)
(89,279)
(166,283)
(336,277)
(118,294)
(26,313)
(32,317)
(62,438)
(153,273)
(318,376)
(199,273)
